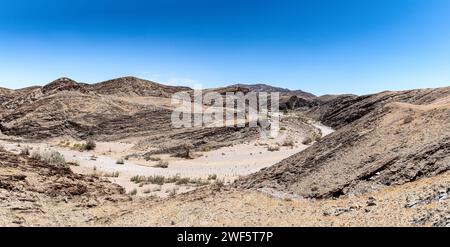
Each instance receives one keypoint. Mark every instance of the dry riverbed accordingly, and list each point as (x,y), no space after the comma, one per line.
(144,178)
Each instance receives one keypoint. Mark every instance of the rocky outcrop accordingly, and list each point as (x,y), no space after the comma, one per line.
(63,84)
(377,144)
(297,103)
(23,179)
(341,110)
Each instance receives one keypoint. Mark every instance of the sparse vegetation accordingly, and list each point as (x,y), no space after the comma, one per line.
(173,192)
(90,145)
(408,119)
(199,182)
(162,164)
(138,179)
(183,181)
(161,180)
(78,147)
(220,182)
(133,192)
(315,136)
(64,143)
(212,177)
(111,175)
(273,148)
(36,155)
(151,158)
(186,151)
(53,158)
(308,140)
(73,163)
(120,161)
(288,142)
(25,151)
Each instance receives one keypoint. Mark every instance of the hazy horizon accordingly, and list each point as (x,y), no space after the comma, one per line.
(321,47)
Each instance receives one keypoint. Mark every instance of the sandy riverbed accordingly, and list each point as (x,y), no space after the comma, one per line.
(227,163)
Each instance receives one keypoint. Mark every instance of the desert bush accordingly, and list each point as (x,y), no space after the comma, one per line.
(133,192)
(220,182)
(288,142)
(73,163)
(282,128)
(150,158)
(111,175)
(173,192)
(36,155)
(308,140)
(25,151)
(54,158)
(273,148)
(138,179)
(90,145)
(408,119)
(159,180)
(183,181)
(199,182)
(120,161)
(212,177)
(64,143)
(315,136)
(78,147)
(162,164)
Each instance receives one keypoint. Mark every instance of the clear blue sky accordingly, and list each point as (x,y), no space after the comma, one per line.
(334,46)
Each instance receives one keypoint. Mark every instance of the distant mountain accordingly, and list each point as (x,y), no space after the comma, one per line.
(283,91)
(129,86)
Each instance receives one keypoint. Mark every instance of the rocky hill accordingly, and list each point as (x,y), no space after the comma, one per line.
(34,192)
(383,139)
(117,109)
(341,110)
(132,86)
(284,92)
